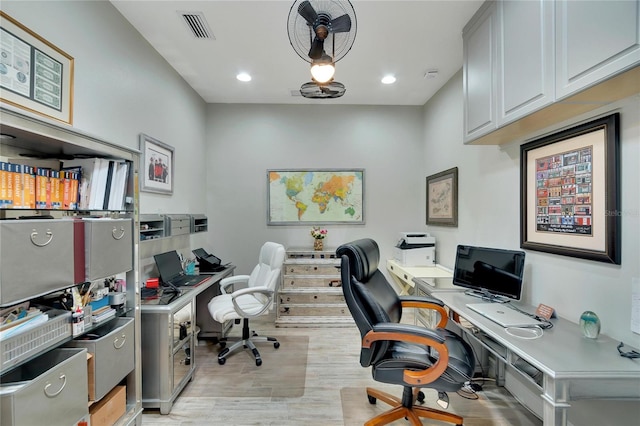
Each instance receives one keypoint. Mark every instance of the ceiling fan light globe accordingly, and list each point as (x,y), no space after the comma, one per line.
(323,73)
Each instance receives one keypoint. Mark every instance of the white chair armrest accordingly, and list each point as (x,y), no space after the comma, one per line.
(252,290)
(236,279)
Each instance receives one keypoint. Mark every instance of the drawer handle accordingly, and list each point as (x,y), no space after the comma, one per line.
(114,233)
(124,340)
(34,234)
(54,394)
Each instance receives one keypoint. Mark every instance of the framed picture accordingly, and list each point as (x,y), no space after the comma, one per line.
(157,166)
(442,198)
(570,200)
(315,196)
(35,75)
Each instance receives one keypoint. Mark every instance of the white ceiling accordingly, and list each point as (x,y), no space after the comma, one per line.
(404,38)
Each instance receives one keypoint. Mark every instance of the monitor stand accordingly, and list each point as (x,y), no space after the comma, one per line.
(486,296)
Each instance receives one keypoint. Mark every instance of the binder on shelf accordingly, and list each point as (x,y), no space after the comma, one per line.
(43,200)
(56,195)
(16,172)
(5,199)
(118,185)
(29,186)
(107,186)
(99,185)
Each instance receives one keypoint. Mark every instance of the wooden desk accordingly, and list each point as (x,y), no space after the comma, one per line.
(570,366)
(404,275)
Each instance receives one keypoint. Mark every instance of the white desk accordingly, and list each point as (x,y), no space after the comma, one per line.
(573,367)
(404,275)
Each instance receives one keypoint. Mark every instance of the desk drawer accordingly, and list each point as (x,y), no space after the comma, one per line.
(112,348)
(307,269)
(108,247)
(50,389)
(292,281)
(315,310)
(315,297)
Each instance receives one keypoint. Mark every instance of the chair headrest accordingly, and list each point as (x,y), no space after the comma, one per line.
(272,254)
(364,257)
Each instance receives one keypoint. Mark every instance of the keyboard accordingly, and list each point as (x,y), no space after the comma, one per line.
(187,280)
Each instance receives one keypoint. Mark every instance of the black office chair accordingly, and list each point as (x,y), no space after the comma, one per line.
(408,355)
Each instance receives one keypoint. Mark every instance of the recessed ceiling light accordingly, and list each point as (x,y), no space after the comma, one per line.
(243,76)
(388,79)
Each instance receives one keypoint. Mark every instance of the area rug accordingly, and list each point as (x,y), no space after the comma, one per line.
(494,406)
(282,373)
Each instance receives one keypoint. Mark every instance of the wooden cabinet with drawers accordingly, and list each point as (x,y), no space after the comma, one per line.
(310,293)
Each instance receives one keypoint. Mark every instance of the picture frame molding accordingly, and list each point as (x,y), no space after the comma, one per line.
(448,220)
(605,220)
(39,91)
(156,185)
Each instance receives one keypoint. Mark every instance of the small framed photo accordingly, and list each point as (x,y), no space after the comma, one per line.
(156,166)
(35,75)
(442,198)
(570,196)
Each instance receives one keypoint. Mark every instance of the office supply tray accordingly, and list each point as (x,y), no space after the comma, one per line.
(18,348)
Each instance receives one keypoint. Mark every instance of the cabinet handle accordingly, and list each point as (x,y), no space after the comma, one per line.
(54,394)
(114,233)
(124,340)
(34,234)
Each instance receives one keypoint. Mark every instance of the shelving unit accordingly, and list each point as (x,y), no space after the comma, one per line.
(199,223)
(74,242)
(310,292)
(152,227)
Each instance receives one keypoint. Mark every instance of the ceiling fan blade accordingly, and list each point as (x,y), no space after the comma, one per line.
(317,48)
(307,12)
(341,24)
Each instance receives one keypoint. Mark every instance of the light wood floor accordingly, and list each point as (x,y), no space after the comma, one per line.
(333,373)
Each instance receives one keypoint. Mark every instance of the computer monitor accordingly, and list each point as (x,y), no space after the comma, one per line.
(489,272)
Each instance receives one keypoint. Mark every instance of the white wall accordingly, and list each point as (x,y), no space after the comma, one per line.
(247,140)
(123,87)
(489,209)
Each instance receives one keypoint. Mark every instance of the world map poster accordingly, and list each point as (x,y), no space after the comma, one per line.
(315,196)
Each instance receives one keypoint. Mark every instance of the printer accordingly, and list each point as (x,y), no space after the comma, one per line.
(415,249)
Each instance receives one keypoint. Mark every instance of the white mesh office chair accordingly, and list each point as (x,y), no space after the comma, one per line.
(251,301)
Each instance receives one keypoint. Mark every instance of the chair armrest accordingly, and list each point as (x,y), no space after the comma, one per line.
(226,282)
(417,335)
(426,302)
(251,290)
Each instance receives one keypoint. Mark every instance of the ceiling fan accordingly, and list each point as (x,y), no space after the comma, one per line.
(322,32)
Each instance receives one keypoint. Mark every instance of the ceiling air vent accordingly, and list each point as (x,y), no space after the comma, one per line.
(197,24)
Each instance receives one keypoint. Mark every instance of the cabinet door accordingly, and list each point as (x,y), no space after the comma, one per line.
(479,73)
(594,40)
(525,45)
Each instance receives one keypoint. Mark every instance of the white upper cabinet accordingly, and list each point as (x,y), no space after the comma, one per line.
(479,73)
(594,40)
(529,64)
(525,58)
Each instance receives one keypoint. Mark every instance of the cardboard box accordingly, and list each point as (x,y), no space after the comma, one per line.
(109,409)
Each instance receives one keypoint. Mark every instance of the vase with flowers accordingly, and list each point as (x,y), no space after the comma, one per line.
(318,235)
